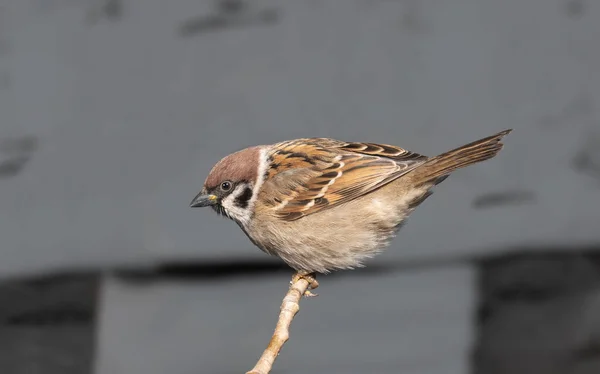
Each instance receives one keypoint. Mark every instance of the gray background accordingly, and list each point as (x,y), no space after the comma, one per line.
(122,116)
(113,112)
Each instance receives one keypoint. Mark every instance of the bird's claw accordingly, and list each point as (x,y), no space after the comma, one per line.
(312,282)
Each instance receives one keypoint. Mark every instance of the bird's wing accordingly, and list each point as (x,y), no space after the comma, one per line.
(309,175)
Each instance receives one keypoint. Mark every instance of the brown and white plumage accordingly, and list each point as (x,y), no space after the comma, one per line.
(323,204)
(324,173)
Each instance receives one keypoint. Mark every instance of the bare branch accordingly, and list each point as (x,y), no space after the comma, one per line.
(289,308)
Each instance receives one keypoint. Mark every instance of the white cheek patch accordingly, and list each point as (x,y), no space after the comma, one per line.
(239,205)
(234,210)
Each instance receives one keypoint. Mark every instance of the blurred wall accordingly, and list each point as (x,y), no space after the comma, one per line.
(112,112)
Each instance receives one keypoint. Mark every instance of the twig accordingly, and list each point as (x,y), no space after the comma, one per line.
(289,308)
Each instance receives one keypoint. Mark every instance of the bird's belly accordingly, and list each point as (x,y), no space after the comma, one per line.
(339,238)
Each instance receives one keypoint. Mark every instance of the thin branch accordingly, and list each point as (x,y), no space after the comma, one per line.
(289,308)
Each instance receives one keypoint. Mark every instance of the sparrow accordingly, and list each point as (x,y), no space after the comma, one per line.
(322,204)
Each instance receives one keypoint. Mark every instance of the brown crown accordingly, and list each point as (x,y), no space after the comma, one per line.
(238,166)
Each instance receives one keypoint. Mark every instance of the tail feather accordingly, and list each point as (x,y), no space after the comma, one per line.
(441,166)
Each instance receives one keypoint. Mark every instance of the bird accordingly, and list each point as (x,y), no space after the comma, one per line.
(323,205)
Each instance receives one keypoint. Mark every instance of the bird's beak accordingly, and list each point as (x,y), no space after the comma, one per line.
(202,200)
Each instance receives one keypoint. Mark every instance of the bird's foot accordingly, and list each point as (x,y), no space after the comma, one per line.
(311,278)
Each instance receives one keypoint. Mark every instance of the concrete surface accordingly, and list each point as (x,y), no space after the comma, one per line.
(48,324)
(114,111)
(528,312)
(539,314)
(395,322)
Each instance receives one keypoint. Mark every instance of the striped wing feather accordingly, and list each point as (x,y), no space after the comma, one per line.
(309,175)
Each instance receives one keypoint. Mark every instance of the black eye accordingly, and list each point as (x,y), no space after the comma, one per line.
(226,186)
